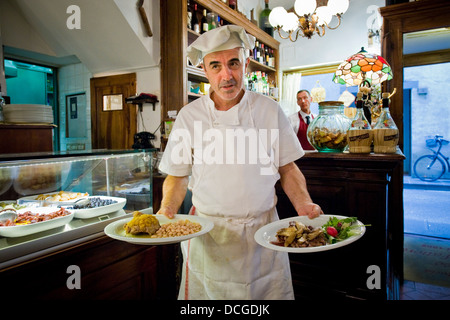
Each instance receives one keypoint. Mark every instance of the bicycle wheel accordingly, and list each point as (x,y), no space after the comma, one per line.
(429,168)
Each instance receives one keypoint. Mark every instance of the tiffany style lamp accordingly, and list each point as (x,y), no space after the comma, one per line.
(363,69)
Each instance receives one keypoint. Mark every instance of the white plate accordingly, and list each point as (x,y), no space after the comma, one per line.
(116,231)
(53,203)
(27,229)
(267,234)
(95,212)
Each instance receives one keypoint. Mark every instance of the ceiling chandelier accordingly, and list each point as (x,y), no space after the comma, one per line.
(310,17)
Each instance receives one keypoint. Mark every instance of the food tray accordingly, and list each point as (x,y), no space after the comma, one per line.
(27,229)
(95,212)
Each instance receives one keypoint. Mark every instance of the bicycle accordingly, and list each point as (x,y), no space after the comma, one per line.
(431,167)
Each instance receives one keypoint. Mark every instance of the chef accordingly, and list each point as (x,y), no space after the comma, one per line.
(229,148)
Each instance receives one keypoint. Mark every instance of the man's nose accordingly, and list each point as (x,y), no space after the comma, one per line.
(226,73)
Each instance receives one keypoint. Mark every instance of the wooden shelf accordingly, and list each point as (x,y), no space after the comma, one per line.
(175,70)
(196,73)
(237,18)
(260,66)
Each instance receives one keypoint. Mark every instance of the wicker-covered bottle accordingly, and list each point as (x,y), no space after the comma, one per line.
(360,134)
(385,131)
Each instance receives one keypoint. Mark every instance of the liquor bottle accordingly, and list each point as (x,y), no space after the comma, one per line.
(385,131)
(204,22)
(264,23)
(2,103)
(195,23)
(360,134)
(213,21)
(261,54)
(232,4)
(189,15)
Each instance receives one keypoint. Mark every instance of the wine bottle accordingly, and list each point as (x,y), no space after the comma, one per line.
(264,23)
(189,15)
(232,4)
(204,22)
(195,23)
(255,50)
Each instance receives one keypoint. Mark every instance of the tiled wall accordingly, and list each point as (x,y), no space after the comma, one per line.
(74,79)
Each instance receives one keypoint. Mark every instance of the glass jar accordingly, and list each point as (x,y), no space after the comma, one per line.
(328,131)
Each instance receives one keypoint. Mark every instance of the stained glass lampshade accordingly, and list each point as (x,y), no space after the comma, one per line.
(363,67)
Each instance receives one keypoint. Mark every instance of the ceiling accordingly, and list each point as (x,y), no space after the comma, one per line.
(110,37)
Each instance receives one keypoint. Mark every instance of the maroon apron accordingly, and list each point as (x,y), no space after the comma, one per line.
(301,134)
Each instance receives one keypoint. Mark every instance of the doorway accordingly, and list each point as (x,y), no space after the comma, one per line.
(30,83)
(113,121)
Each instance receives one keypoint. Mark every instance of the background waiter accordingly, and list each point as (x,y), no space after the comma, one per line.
(301,119)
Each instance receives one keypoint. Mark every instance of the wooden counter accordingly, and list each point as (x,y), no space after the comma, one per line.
(369,187)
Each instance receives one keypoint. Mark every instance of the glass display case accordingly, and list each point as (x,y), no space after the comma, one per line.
(112,183)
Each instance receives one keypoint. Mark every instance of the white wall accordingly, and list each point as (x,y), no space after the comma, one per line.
(336,45)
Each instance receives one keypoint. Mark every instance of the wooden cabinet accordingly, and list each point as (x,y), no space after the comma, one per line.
(176,37)
(21,138)
(108,269)
(370,188)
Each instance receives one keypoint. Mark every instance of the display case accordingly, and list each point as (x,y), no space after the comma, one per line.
(116,183)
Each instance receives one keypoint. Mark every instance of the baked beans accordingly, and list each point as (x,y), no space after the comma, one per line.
(177,229)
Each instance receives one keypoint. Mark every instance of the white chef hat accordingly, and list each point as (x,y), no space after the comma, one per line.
(222,38)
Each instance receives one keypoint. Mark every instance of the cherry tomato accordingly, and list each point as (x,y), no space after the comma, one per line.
(332,231)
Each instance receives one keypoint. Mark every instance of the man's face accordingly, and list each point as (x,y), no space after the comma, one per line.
(225,72)
(304,101)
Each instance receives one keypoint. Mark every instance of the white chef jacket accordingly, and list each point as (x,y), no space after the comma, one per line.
(265,111)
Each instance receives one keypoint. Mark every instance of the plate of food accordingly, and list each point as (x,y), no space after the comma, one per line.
(34,220)
(303,235)
(151,229)
(57,198)
(94,206)
(11,205)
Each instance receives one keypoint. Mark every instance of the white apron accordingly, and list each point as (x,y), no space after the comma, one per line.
(227,263)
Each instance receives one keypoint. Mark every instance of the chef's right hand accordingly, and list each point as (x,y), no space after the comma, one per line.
(311,210)
(169,213)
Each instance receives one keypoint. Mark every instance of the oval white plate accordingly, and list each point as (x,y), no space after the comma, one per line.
(27,229)
(95,212)
(267,234)
(116,231)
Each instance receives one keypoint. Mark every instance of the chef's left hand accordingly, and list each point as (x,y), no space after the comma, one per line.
(311,210)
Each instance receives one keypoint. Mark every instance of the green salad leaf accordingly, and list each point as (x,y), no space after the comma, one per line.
(340,229)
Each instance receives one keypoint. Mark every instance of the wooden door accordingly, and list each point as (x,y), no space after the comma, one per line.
(113,120)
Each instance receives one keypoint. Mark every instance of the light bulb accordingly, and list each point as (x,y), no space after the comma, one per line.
(303,7)
(290,22)
(277,16)
(324,15)
(338,6)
